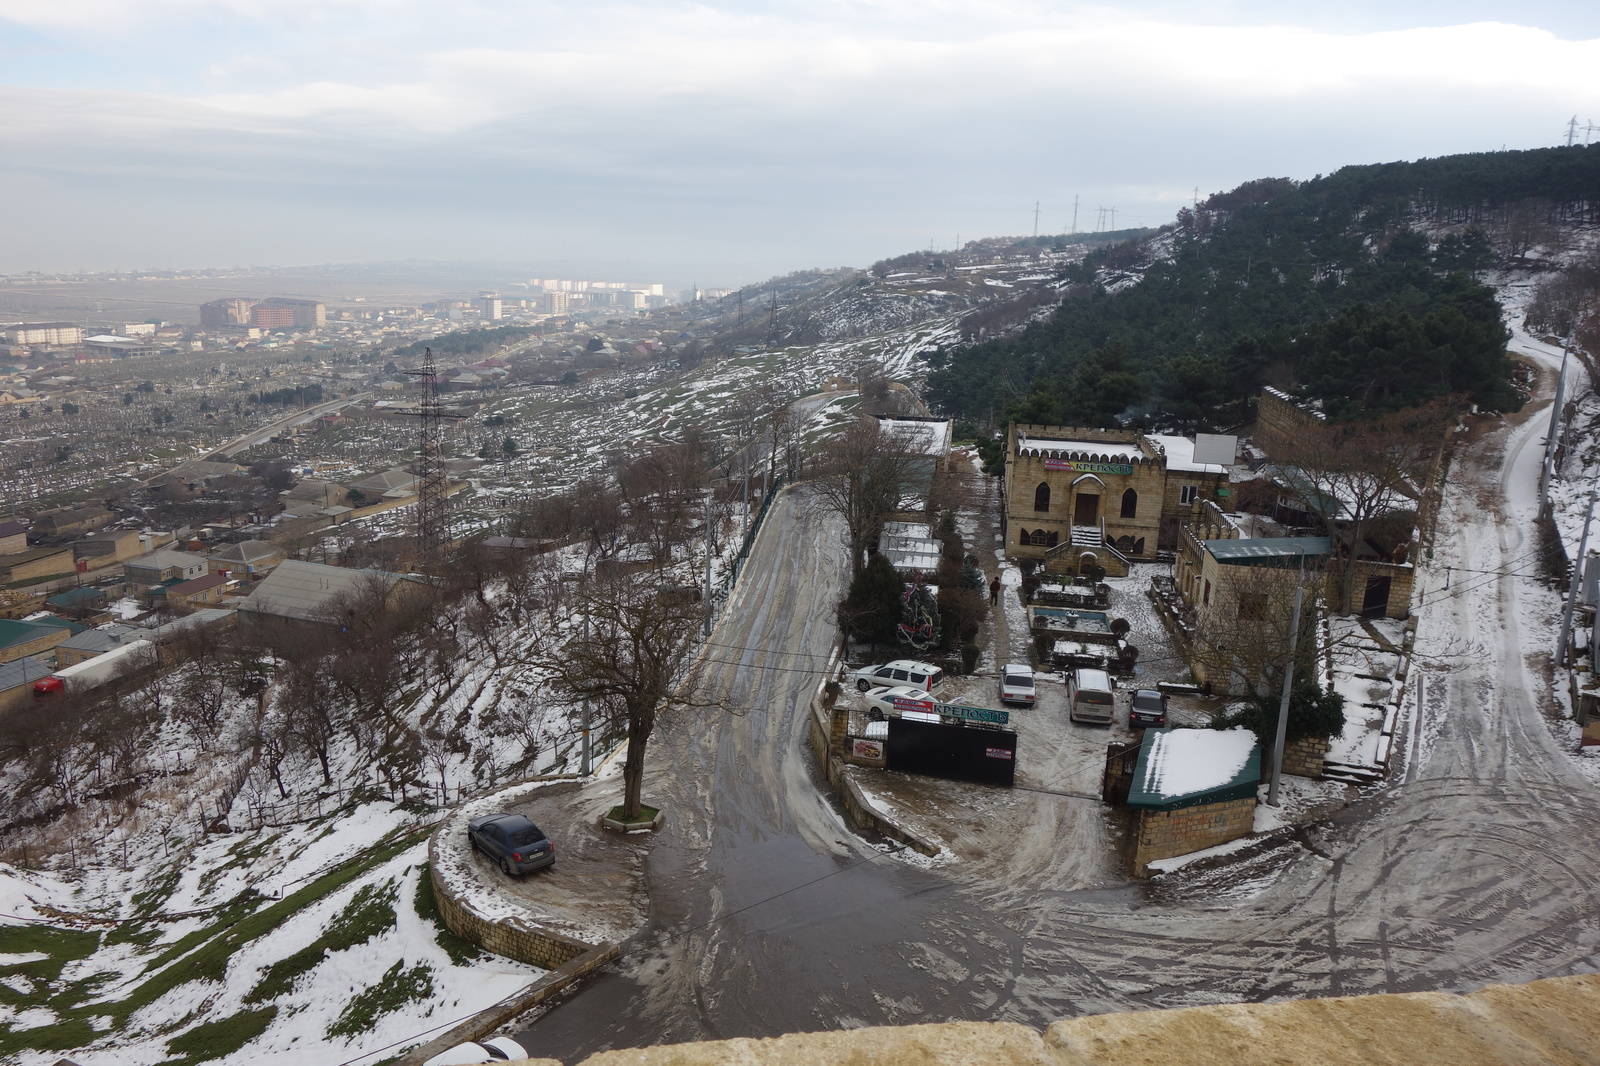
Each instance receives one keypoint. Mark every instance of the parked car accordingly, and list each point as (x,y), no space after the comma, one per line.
(1149,708)
(1016,684)
(880,701)
(1090,697)
(494,1049)
(900,672)
(515,843)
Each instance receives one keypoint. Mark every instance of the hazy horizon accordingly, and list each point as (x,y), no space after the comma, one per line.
(718,143)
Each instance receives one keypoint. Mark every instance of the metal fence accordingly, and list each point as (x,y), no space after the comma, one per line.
(721,595)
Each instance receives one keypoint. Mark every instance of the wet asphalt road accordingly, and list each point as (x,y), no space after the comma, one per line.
(1474,864)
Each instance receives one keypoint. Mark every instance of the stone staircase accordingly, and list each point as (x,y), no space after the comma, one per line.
(1063,558)
(1351,773)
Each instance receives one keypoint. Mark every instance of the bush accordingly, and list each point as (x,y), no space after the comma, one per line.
(969,657)
(871,610)
(1313,712)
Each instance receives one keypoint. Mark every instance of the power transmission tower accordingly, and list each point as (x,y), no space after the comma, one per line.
(1113,219)
(433,486)
(1572,130)
(1074,212)
(1036,213)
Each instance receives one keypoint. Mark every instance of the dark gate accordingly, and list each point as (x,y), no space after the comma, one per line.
(964,753)
(1376,602)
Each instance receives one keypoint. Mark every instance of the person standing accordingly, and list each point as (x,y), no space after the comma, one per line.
(994,590)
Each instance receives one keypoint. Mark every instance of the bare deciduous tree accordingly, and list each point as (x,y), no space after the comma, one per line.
(1349,473)
(862,474)
(628,663)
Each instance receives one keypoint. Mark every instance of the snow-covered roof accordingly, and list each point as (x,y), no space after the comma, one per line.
(1180,455)
(1188,767)
(1096,448)
(923,436)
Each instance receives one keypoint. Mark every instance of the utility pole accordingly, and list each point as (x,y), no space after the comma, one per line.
(1036,209)
(1553,436)
(1577,580)
(1283,702)
(1074,212)
(707,596)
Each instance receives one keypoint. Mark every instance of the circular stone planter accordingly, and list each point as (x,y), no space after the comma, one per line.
(649,818)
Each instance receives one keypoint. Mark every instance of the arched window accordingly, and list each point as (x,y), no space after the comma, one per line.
(1130,503)
(1041,497)
(1022,536)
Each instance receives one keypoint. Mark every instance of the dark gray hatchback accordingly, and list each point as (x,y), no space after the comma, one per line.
(1149,708)
(511,840)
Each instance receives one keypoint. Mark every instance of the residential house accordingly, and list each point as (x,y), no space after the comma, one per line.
(107,547)
(298,592)
(37,564)
(1080,498)
(91,642)
(70,521)
(165,564)
(79,602)
(1238,594)
(393,484)
(252,558)
(185,597)
(25,637)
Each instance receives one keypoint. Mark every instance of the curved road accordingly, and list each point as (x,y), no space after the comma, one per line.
(1475,863)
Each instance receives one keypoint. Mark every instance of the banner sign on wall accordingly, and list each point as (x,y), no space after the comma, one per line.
(1079,466)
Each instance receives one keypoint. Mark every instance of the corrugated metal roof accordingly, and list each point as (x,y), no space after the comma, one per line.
(1247,549)
(22,672)
(103,639)
(307,591)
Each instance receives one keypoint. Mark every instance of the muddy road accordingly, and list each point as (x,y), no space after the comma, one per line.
(1474,863)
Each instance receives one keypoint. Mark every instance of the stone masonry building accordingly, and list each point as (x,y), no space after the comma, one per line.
(1078,497)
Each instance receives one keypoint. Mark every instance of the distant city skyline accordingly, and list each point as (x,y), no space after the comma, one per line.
(719,143)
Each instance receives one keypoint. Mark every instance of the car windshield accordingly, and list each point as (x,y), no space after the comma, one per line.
(525,836)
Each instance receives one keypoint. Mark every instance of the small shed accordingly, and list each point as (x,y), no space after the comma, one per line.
(1192,789)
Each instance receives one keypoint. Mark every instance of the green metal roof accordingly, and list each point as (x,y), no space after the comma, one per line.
(1268,551)
(13,631)
(1153,777)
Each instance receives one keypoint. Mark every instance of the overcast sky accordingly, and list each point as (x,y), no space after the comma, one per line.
(720,141)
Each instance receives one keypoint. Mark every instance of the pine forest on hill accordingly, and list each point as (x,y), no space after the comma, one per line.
(1357,287)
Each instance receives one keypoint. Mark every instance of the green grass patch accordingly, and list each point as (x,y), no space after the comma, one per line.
(460,950)
(394,990)
(212,1040)
(646,814)
(61,945)
(63,1035)
(209,961)
(369,913)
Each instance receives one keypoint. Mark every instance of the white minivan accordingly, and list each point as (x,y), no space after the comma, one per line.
(900,672)
(1089,696)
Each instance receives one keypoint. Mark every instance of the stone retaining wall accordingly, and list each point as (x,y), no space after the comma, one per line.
(1304,757)
(513,935)
(1163,834)
(515,938)
(826,732)
(1544,1023)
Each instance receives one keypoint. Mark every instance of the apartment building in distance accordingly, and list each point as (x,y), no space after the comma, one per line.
(274,312)
(55,333)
